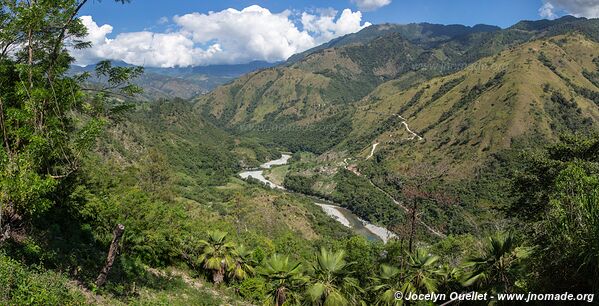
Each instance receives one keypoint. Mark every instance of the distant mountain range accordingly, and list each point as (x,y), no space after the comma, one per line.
(185,82)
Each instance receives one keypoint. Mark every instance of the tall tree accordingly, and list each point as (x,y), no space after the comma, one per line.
(41,144)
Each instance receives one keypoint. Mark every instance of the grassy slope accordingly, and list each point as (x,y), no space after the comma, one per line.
(480,116)
(315,94)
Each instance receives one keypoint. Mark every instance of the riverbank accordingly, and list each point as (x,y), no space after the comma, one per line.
(333,210)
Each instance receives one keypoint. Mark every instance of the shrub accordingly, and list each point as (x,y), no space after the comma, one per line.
(20,285)
(253,289)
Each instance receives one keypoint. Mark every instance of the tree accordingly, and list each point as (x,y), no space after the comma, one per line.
(155,175)
(41,144)
(217,255)
(331,282)
(416,188)
(364,255)
(243,263)
(420,275)
(534,183)
(285,280)
(497,268)
(557,193)
(572,226)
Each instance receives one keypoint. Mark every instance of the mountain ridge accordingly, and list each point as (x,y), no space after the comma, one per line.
(181,82)
(327,84)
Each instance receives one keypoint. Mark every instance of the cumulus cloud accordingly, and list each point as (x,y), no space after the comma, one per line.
(324,27)
(578,8)
(226,37)
(252,33)
(371,5)
(547,11)
(141,48)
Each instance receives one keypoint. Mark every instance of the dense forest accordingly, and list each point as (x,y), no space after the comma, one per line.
(109,199)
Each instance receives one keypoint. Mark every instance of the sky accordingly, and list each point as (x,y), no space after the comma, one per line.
(181,33)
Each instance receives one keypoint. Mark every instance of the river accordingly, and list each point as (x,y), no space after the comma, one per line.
(259,174)
(342,215)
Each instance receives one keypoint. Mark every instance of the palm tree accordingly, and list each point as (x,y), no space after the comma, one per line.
(449,278)
(217,255)
(419,276)
(388,282)
(243,264)
(285,280)
(331,282)
(422,273)
(495,269)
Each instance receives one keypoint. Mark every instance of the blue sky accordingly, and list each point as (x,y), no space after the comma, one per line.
(183,33)
(144,14)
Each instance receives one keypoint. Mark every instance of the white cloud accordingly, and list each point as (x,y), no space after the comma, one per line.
(141,48)
(547,11)
(253,33)
(324,27)
(370,5)
(578,8)
(226,37)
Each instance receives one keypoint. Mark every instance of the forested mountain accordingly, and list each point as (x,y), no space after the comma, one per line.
(531,93)
(474,149)
(471,126)
(321,88)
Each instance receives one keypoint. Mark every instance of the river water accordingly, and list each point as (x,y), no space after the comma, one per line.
(259,174)
(340,214)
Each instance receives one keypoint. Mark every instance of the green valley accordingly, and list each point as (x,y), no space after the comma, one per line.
(392,161)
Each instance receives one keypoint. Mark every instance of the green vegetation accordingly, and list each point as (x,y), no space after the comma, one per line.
(566,114)
(492,198)
(443,89)
(359,196)
(557,195)
(24,286)
(472,94)
(317,137)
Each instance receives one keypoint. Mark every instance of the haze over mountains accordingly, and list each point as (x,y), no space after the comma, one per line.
(187,82)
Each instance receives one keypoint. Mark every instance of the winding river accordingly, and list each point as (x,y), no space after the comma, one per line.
(333,210)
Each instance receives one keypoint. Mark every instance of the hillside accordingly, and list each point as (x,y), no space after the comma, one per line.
(400,161)
(471,124)
(533,93)
(300,103)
